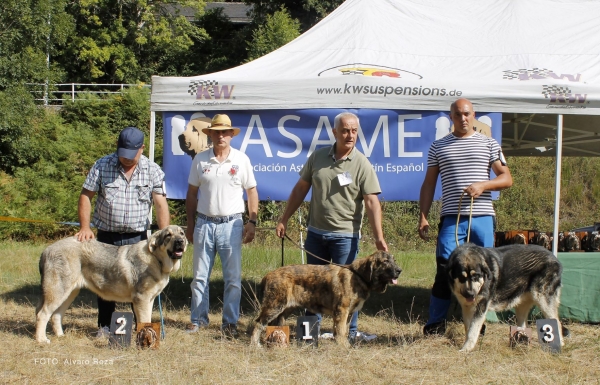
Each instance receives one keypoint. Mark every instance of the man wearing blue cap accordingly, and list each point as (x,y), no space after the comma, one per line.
(127,183)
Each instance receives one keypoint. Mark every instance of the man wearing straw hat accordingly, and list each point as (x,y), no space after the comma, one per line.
(463,158)
(214,206)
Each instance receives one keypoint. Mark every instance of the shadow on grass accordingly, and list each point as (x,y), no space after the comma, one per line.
(406,304)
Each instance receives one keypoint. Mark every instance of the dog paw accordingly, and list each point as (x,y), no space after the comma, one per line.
(467,347)
(44,340)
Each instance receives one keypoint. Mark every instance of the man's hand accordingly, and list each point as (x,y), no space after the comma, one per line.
(381,245)
(280,229)
(249,231)
(424,229)
(189,234)
(476,189)
(84,234)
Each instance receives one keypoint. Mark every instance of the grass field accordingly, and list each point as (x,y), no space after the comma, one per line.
(400,354)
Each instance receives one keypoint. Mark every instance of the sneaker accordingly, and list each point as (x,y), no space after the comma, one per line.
(103,332)
(230,331)
(326,336)
(358,336)
(192,328)
(438,328)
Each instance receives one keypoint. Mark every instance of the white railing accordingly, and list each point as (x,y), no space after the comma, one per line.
(53,94)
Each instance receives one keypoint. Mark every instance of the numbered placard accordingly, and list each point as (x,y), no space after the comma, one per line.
(548,334)
(121,325)
(307,330)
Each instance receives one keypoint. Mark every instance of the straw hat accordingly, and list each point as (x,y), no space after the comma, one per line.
(221,122)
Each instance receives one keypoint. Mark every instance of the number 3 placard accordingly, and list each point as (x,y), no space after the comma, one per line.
(548,334)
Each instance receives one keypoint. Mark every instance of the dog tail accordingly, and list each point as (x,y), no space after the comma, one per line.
(41,267)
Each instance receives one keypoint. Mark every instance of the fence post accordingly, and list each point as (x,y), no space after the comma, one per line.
(72,92)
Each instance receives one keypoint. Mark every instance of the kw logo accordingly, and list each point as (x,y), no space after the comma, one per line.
(210,90)
(539,73)
(560,94)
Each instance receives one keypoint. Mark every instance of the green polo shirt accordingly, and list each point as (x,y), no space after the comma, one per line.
(337,203)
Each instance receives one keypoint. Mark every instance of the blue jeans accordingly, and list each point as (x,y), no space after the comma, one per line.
(482,234)
(337,249)
(226,239)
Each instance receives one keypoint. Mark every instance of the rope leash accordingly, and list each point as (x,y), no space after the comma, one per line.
(458,219)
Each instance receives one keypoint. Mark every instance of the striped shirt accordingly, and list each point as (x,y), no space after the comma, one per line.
(123,206)
(461,162)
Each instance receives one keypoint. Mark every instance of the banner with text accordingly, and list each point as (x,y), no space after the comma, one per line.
(278,142)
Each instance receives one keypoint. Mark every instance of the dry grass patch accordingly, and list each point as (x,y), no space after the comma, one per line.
(400,354)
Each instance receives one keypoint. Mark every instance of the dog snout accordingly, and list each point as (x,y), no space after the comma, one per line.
(469,294)
(179,243)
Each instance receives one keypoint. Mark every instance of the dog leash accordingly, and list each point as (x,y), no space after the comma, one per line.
(458,219)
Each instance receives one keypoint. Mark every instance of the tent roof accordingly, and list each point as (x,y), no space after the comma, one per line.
(520,58)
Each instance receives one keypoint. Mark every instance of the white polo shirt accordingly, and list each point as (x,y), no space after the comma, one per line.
(221,185)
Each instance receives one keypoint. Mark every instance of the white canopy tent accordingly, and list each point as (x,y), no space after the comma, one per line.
(536,61)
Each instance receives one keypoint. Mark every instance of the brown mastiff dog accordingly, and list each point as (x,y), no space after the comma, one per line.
(327,289)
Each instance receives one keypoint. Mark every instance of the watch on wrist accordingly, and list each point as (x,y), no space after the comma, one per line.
(252,221)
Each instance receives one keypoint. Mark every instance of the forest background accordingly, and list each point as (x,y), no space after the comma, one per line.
(45,153)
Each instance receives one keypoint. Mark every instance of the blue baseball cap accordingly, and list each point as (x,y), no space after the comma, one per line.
(130,141)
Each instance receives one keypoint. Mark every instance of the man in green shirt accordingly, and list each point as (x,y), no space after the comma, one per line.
(344,184)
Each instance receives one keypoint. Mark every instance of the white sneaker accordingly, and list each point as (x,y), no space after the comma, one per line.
(326,336)
(103,332)
(361,337)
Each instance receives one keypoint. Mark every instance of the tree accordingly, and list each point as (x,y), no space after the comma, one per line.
(128,41)
(30,32)
(278,30)
(308,12)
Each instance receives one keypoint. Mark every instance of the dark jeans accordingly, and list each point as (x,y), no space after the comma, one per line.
(339,250)
(106,308)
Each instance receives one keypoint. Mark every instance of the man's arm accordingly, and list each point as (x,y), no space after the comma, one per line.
(374,214)
(426,198)
(162,210)
(84,212)
(249,228)
(294,201)
(191,204)
(502,180)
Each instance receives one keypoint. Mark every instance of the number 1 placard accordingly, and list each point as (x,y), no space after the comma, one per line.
(307,330)
(120,329)
(548,334)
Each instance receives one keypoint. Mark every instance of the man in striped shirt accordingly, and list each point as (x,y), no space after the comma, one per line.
(463,159)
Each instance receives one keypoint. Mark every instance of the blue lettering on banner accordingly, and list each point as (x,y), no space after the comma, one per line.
(278,143)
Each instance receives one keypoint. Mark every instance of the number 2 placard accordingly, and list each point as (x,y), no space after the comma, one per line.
(120,329)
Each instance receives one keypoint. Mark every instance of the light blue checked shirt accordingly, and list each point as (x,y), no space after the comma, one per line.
(123,206)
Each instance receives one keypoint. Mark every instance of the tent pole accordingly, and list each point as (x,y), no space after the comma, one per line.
(151,155)
(559,132)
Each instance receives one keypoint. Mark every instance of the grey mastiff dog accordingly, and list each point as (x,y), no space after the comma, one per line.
(513,276)
(133,273)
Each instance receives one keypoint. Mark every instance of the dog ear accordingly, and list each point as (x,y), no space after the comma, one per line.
(153,241)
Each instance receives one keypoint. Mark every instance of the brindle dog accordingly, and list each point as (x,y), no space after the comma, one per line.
(327,289)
